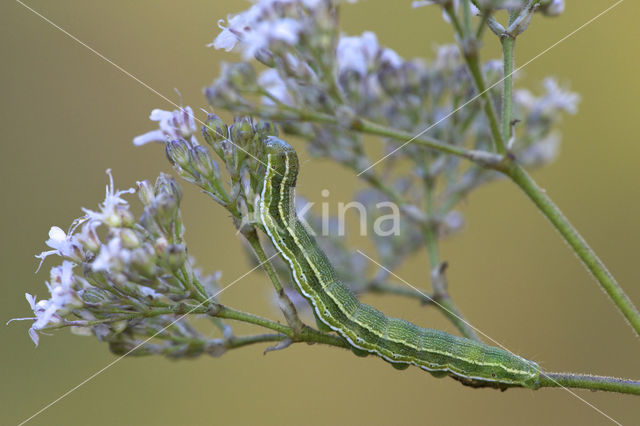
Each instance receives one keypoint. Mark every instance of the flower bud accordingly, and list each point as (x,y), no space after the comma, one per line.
(129,238)
(350,81)
(145,192)
(166,210)
(88,237)
(94,296)
(160,246)
(178,153)
(242,131)
(166,184)
(214,130)
(266,57)
(222,93)
(390,79)
(176,256)
(203,163)
(241,75)
(127,219)
(266,128)
(143,260)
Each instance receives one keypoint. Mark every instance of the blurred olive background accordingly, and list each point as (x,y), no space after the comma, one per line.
(67,116)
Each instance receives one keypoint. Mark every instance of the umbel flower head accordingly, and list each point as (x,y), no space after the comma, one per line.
(116,267)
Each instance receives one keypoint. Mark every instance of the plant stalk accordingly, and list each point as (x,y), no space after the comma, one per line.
(579,246)
(508,44)
(585,381)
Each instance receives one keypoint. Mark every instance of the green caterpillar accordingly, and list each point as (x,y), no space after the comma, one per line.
(364,327)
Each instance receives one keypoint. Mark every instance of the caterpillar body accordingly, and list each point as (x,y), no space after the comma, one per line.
(365,328)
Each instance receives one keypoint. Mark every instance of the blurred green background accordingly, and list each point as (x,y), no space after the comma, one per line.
(67,116)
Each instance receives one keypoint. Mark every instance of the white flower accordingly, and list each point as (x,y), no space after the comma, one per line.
(555,100)
(357,53)
(112,257)
(236,27)
(62,244)
(560,98)
(63,299)
(361,53)
(264,23)
(173,125)
(115,209)
(63,295)
(271,81)
(286,31)
(540,152)
(524,98)
(456,6)
(555,8)
(88,236)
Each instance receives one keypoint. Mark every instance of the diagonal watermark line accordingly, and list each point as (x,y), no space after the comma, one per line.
(97,373)
(485,335)
(476,97)
(127,73)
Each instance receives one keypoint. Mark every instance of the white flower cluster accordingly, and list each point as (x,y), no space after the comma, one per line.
(360,55)
(555,100)
(540,141)
(64,286)
(63,299)
(265,24)
(549,8)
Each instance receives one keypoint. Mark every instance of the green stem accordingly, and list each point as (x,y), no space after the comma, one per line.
(585,381)
(489,110)
(576,242)
(307,334)
(451,12)
(383,287)
(359,124)
(233,314)
(438,281)
(482,26)
(240,341)
(466,16)
(508,44)
(470,53)
(288,309)
(365,126)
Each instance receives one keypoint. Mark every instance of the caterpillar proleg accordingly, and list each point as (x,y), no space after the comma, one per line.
(365,328)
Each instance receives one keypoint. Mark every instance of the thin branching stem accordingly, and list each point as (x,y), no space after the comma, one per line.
(287,306)
(470,53)
(586,381)
(508,44)
(438,282)
(578,245)
(539,197)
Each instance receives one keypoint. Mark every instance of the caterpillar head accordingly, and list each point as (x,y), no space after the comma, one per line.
(282,159)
